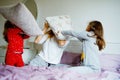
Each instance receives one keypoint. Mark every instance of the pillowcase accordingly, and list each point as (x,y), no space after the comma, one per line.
(21,17)
(70,58)
(58,24)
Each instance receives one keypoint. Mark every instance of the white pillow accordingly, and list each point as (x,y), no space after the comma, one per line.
(22,17)
(60,23)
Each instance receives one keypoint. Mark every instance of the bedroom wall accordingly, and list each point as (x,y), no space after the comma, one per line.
(83,11)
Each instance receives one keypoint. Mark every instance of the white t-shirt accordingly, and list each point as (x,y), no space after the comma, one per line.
(51,51)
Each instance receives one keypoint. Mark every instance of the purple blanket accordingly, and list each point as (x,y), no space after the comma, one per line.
(110,64)
(51,73)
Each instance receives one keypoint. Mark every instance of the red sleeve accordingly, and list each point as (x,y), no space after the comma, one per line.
(25,36)
(22,33)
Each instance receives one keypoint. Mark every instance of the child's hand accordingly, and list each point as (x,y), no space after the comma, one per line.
(60,36)
(82,56)
(57,33)
(61,42)
(46,26)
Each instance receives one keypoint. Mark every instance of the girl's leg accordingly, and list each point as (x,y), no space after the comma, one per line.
(10,59)
(38,61)
(20,61)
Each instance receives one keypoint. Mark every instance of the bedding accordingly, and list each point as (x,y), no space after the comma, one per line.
(60,73)
(22,17)
(109,62)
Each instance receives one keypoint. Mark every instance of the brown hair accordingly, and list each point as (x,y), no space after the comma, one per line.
(49,32)
(7,25)
(97,28)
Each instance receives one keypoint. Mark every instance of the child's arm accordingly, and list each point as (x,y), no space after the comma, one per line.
(63,43)
(40,39)
(37,39)
(80,35)
(24,36)
(46,26)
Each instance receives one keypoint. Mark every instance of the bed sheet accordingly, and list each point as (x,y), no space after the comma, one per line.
(110,64)
(51,73)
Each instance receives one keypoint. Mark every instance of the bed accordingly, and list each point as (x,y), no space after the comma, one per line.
(110,70)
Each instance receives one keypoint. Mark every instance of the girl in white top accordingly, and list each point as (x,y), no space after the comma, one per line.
(52,48)
(93,42)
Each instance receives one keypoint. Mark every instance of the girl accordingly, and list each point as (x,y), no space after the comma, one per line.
(52,48)
(14,36)
(93,42)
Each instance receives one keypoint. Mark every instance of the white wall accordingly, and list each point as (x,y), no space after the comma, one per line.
(83,11)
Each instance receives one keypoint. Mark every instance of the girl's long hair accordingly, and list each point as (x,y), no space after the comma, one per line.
(97,28)
(49,32)
(7,25)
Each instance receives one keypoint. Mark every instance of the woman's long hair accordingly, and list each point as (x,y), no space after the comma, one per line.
(97,28)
